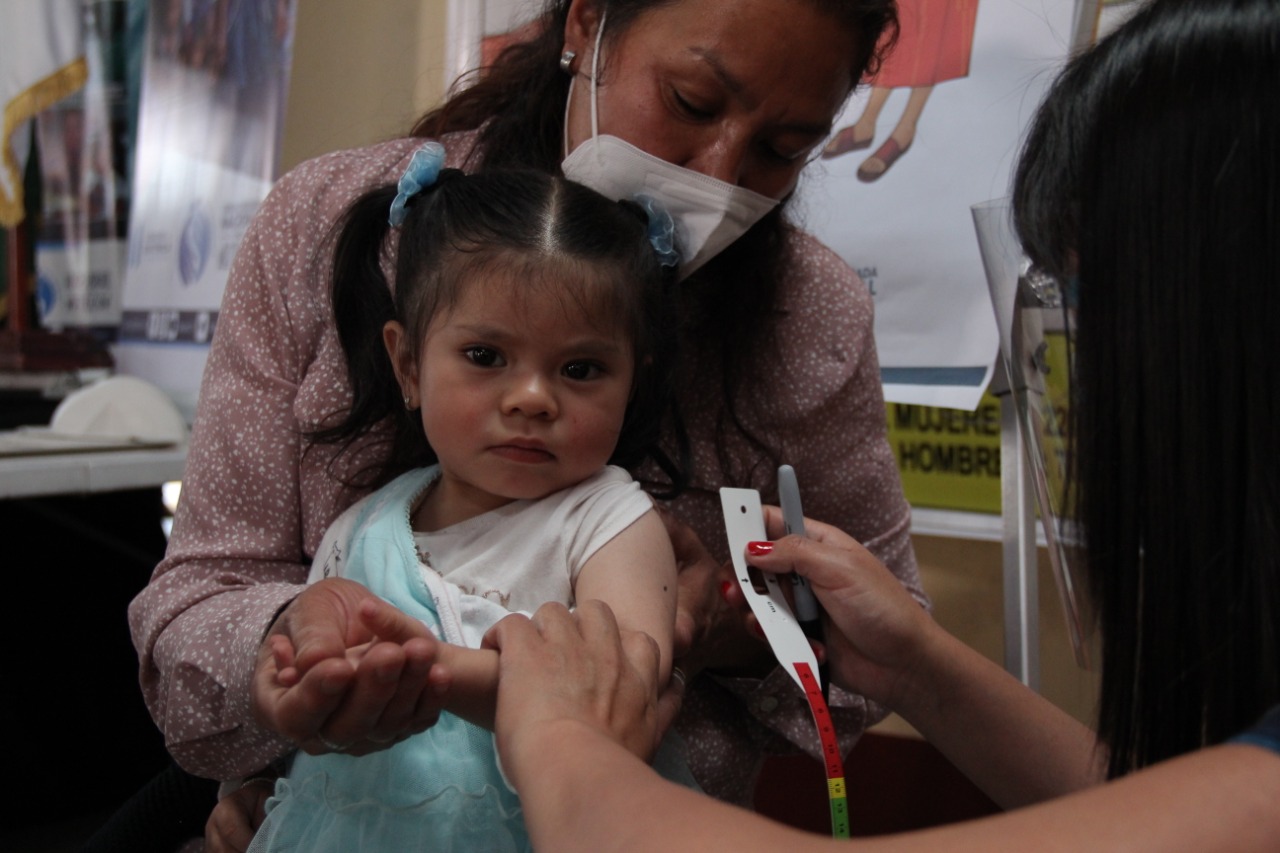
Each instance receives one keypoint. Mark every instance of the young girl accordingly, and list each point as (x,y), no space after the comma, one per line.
(524,353)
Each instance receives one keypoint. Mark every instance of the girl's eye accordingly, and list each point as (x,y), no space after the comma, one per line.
(483,356)
(582,370)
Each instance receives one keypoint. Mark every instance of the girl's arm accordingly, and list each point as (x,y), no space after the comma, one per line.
(635,574)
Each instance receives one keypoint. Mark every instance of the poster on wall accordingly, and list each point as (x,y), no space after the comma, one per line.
(935,131)
(215,78)
(478,30)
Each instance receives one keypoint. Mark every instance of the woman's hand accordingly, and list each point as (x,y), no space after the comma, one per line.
(714,627)
(562,669)
(875,630)
(343,671)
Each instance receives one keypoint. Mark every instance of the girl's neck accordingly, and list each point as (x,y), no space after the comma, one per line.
(448,502)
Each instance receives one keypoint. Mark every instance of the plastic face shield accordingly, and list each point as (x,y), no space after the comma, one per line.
(1034,324)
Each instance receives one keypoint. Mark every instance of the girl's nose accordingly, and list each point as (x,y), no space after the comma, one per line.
(530,394)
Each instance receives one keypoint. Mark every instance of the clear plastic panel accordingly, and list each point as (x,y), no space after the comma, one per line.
(1034,345)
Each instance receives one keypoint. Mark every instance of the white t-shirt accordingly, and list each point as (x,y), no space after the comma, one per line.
(521,555)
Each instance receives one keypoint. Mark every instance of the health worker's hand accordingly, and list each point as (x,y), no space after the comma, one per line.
(875,630)
(561,669)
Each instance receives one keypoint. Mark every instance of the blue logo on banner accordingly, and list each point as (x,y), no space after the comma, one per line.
(193,247)
(46,295)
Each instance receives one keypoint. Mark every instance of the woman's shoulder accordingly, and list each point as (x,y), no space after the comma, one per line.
(825,329)
(820,283)
(333,180)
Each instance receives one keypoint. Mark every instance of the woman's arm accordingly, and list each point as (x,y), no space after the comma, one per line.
(570,743)
(255,500)
(590,794)
(1015,745)
(818,406)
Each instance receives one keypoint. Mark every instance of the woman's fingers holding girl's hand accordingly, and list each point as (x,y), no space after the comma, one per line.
(343,671)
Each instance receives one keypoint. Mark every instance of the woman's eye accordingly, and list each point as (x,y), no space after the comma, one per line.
(785,155)
(690,109)
(483,356)
(582,370)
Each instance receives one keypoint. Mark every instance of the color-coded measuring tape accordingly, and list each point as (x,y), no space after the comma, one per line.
(744,522)
(836,789)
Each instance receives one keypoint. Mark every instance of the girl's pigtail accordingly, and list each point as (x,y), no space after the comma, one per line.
(362,304)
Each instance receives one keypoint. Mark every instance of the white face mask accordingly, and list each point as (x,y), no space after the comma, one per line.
(709,214)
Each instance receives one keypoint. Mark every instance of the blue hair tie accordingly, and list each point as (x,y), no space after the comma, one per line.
(662,231)
(424,168)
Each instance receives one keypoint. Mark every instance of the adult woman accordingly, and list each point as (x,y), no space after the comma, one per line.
(1177,481)
(739,91)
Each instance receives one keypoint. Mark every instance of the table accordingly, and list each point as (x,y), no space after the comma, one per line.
(87,473)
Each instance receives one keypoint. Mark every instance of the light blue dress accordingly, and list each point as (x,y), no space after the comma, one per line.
(440,790)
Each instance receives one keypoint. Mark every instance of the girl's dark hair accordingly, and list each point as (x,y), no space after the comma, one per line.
(558,239)
(730,305)
(1152,172)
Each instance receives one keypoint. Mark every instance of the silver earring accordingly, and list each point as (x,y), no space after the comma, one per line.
(408,403)
(566,61)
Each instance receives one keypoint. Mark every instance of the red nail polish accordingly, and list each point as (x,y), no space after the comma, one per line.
(759,549)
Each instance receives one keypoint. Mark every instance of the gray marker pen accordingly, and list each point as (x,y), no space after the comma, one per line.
(808,614)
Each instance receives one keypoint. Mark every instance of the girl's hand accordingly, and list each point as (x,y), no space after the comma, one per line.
(575,669)
(875,630)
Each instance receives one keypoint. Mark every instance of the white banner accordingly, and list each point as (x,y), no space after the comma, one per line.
(209,127)
(955,99)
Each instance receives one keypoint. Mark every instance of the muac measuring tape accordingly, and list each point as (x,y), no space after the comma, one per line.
(744,522)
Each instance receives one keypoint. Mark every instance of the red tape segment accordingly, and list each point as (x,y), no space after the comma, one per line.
(830,751)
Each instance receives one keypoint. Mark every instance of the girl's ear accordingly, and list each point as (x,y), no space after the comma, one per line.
(580,27)
(403,361)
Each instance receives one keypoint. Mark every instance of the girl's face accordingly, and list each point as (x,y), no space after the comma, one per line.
(521,393)
(742,90)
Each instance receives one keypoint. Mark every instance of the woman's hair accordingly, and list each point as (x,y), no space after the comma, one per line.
(1152,173)
(557,239)
(730,305)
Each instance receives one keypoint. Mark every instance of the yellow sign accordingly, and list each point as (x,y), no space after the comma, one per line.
(950,458)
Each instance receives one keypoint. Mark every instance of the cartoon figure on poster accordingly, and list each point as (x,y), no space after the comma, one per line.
(935,41)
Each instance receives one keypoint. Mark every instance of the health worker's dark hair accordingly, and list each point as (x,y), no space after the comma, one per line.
(558,239)
(1152,176)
